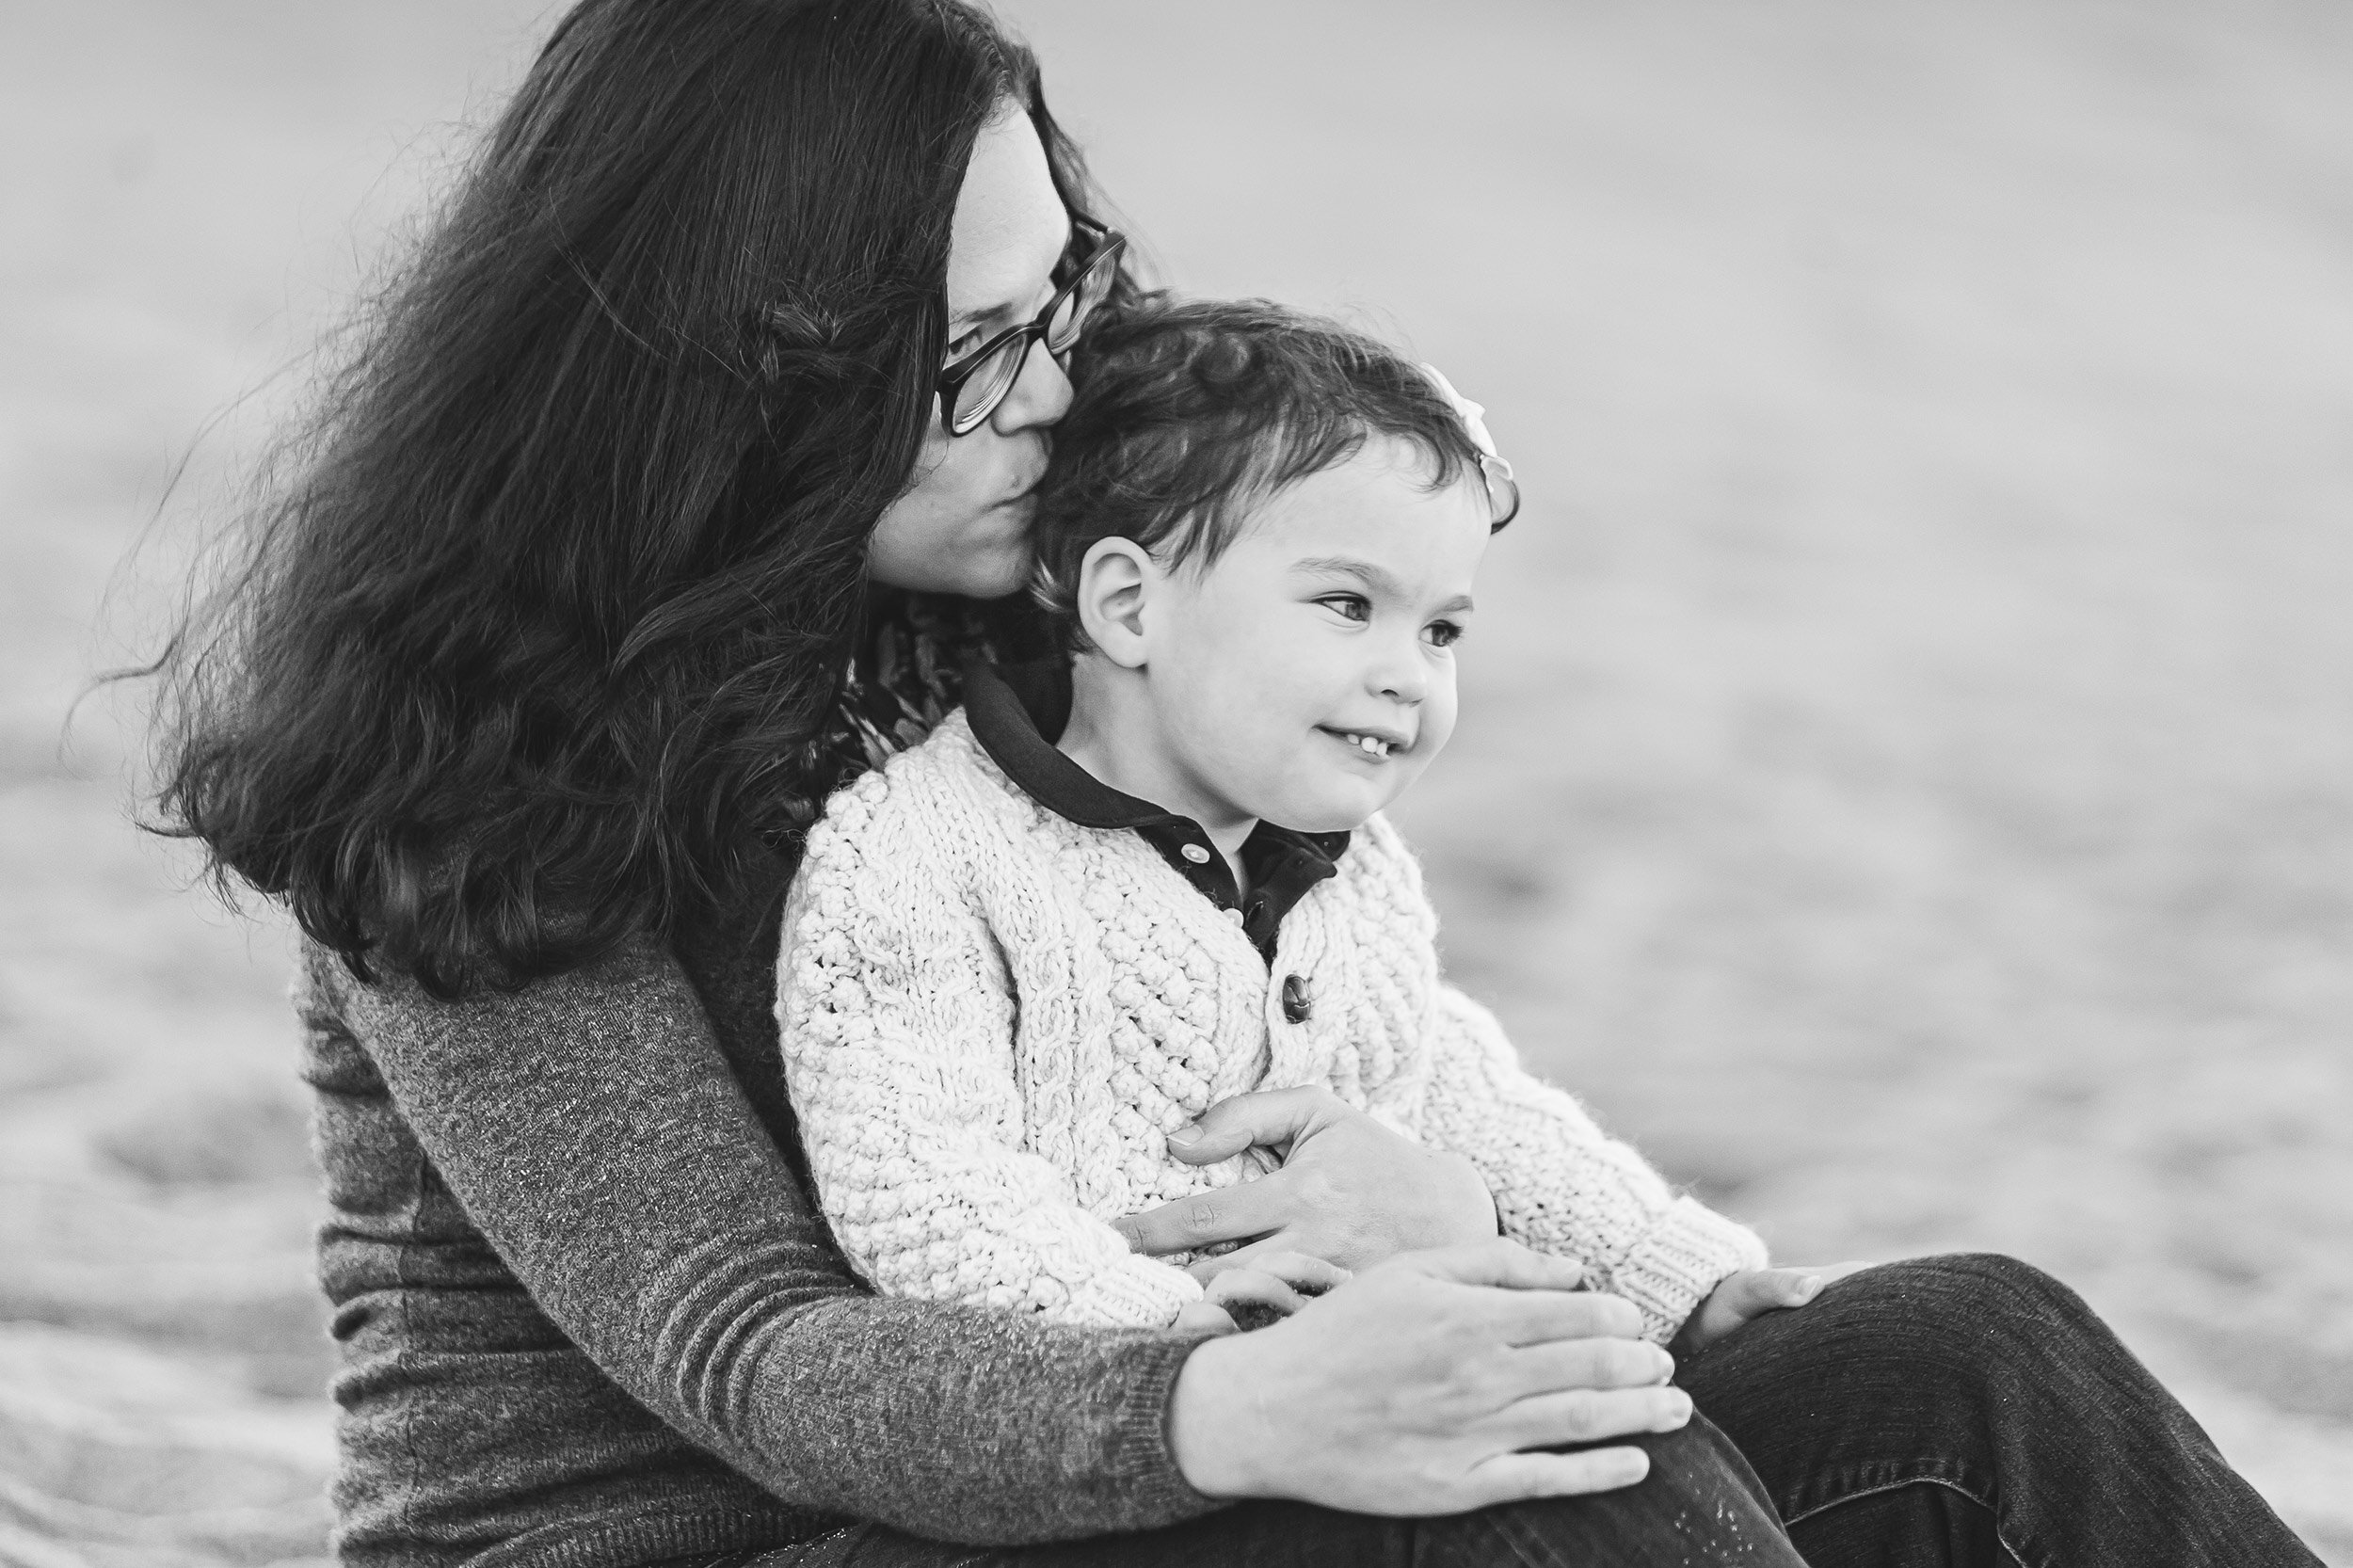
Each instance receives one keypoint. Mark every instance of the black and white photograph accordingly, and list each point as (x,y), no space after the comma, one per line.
(1087,784)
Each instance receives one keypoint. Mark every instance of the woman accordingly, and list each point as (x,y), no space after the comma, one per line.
(671,489)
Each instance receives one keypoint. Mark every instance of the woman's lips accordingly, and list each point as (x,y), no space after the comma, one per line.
(1029,487)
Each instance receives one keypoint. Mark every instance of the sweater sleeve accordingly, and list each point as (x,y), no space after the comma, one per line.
(1562,1187)
(898,1018)
(589,1127)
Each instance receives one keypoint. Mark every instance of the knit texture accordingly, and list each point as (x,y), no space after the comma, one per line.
(992,1016)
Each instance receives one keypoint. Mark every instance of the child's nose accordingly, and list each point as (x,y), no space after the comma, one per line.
(1403,679)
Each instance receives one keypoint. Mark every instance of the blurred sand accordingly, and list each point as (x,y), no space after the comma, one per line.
(1906,774)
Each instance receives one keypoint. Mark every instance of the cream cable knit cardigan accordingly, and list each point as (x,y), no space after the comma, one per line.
(992,1016)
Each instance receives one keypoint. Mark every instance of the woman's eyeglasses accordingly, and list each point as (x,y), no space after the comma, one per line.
(970,389)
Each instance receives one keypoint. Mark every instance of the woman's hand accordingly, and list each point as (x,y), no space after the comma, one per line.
(1428,1386)
(1749,1295)
(1277,1286)
(1349,1189)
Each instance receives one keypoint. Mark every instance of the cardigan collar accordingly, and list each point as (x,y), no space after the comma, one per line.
(1017,709)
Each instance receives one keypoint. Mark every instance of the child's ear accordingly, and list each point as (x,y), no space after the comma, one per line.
(1115,580)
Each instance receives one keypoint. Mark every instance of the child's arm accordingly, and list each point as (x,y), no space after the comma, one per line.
(1562,1186)
(1559,1185)
(897,1023)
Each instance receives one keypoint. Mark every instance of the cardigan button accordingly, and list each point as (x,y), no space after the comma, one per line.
(1298,1003)
(1196,854)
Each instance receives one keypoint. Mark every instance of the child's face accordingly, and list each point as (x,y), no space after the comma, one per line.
(1329,620)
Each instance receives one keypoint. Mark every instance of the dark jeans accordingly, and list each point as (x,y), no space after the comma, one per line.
(1949,1411)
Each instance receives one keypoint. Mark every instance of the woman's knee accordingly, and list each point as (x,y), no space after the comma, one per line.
(1949,1329)
(1983,1289)
(1701,1501)
(1972,1314)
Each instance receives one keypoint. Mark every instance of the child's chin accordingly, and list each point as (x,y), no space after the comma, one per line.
(1343,808)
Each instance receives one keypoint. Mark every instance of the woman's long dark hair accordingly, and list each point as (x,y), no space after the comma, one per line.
(529,653)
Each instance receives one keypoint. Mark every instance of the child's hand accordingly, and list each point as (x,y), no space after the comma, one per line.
(1253,1294)
(1751,1294)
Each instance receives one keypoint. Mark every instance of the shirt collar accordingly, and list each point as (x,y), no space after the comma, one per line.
(1015,709)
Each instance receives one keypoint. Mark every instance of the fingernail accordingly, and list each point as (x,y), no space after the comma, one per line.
(1666,1365)
(1679,1405)
(1807,1286)
(1186,1136)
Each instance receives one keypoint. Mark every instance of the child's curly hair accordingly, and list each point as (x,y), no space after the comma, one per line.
(1189,414)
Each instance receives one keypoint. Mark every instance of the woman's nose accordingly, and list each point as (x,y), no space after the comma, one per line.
(1040,395)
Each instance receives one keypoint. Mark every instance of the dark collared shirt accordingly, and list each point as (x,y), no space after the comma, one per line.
(1017,710)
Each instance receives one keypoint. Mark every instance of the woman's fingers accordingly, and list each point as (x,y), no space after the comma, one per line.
(1309,1274)
(1234,1214)
(1236,1286)
(1498,1262)
(1272,1117)
(1590,1415)
(1410,1368)
(1541,1317)
(1591,1363)
(1515,1478)
(1204,1316)
(1207,1268)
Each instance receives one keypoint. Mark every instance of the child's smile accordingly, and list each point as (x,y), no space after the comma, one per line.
(1375,745)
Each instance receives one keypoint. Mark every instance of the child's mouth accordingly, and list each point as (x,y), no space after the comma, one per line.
(1376,746)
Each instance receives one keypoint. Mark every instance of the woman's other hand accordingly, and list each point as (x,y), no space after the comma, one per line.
(1275,1285)
(1351,1189)
(1428,1386)
(1750,1294)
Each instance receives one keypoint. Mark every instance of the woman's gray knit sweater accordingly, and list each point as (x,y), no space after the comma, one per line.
(588,1316)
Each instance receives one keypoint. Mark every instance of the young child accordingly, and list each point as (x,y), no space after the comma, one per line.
(1097,901)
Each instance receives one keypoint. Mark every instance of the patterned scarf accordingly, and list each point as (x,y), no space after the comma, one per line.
(906,677)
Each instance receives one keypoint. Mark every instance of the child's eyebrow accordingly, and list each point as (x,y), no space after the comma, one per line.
(1379,579)
(1376,579)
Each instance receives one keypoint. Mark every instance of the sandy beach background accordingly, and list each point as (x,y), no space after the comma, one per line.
(1906,779)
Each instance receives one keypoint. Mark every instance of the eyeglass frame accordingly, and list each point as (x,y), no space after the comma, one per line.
(952,377)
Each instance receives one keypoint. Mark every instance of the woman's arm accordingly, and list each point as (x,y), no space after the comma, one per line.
(589,1128)
(593,1134)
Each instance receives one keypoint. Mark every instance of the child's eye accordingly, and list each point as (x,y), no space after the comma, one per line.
(1355,607)
(1444,633)
(958,347)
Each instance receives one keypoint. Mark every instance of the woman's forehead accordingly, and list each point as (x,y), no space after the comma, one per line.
(1010,226)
